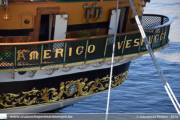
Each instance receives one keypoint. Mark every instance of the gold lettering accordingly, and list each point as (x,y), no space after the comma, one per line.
(150,39)
(161,36)
(120,44)
(59,51)
(127,43)
(164,35)
(155,38)
(20,54)
(79,52)
(136,43)
(70,51)
(89,48)
(45,54)
(34,55)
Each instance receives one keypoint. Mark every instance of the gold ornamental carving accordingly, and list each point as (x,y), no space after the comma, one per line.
(67,90)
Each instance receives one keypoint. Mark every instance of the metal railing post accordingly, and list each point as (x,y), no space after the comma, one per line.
(85,56)
(164,35)
(153,40)
(105,48)
(167,33)
(64,55)
(162,19)
(15,56)
(124,44)
(41,55)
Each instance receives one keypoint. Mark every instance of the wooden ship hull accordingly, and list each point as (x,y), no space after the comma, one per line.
(56,53)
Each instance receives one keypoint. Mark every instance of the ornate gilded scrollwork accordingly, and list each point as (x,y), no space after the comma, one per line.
(134,58)
(109,62)
(117,60)
(67,69)
(82,67)
(12,75)
(98,64)
(68,89)
(125,60)
(32,73)
(51,71)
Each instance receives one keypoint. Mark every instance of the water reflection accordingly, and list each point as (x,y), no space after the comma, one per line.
(143,91)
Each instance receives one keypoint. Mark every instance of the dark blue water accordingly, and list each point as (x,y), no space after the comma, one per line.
(143,91)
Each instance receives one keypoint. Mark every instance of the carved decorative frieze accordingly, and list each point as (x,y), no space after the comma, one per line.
(99,64)
(82,67)
(32,73)
(51,71)
(67,69)
(67,90)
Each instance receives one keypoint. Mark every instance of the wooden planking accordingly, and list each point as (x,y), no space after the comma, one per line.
(48,10)
(74,34)
(133,27)
(124,4)
(29,1)
(92,37)
(19,0)
(37,23)
(37,19)
(16,39)
(74,39)
(128,19)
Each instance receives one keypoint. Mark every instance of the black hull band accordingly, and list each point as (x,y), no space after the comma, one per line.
(60,88)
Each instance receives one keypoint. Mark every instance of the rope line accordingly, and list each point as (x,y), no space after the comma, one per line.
(112,60)
(161,75)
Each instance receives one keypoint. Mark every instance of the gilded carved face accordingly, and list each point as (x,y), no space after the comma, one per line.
(62,84)
(78,81)
(85,79)
(96,80)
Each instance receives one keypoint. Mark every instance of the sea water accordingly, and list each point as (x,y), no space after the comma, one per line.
(143,91)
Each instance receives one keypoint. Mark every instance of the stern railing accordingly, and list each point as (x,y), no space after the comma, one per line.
(70,52)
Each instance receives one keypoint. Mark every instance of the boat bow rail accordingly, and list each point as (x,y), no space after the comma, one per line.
(70,52)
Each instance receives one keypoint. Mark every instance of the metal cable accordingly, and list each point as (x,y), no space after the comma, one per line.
(161,75)
(112,60)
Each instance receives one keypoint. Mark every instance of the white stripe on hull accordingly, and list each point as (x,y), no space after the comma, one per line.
(41,74)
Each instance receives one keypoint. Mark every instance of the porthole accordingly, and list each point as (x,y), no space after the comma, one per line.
(22,72)
(26,21)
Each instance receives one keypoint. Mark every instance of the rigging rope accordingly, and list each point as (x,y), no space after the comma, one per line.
(161,75)
(112,60)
